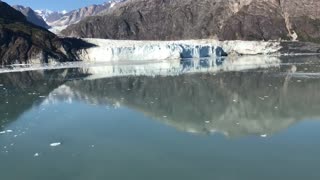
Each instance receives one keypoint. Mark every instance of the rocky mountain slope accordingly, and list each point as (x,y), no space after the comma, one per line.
(197,19)
(24,42)
(77,15)
(31,16)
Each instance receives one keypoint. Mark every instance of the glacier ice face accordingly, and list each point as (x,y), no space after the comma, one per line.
(120,50)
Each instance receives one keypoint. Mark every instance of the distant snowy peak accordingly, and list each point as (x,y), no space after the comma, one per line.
(64,12)
(50,16)
(112,3)
(77,15)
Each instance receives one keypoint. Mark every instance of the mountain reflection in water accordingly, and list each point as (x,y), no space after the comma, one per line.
(235,98)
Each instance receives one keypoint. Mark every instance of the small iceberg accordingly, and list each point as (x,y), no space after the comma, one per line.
(55,144)
(263,135)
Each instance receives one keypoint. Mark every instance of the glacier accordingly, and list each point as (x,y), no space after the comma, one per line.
(130,50)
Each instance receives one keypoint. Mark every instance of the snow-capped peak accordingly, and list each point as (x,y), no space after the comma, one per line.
(49,15)
(112,3)
(43,11)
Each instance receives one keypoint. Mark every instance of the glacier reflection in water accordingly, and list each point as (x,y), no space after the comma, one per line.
(251,118)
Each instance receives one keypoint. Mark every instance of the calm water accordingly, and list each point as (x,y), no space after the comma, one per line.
(191,120)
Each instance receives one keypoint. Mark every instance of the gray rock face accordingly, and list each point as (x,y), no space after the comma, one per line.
(31,16)
(196,19)
(77,15)
(303,17)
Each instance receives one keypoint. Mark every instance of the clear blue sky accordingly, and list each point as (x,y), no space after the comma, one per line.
(55,5)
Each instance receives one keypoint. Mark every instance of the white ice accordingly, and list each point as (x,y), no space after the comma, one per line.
(120,50)
(55,144)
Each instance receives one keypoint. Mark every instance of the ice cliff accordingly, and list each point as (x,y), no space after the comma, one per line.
(120,50)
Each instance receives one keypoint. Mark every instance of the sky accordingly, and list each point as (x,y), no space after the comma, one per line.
(54,5)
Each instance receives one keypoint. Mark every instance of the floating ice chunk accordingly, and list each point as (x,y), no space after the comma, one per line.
(263,135)
(36,155)
(55,144)
(9,131)
(2,132)
(207,122)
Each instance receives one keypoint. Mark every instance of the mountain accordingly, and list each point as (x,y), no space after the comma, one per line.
(198,19)
(77,15)
(31,16)
(24,42)
(50,16)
